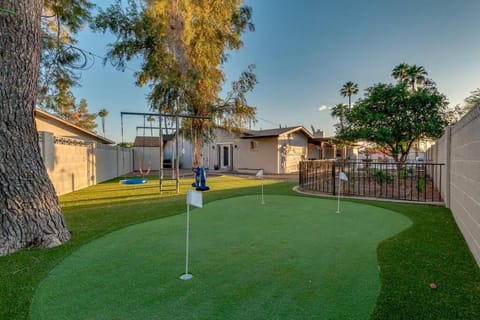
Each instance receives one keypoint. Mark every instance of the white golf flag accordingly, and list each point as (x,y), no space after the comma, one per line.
(343,176)
(259,173)
(194,198)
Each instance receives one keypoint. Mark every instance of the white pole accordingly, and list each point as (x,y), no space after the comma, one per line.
(338,202)
(186,275)
(263,201)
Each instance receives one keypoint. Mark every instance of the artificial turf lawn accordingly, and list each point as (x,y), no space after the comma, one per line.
(292,258)
(431,250)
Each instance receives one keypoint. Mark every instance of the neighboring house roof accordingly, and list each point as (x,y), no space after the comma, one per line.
(141,141)
(253,134)
(74,128)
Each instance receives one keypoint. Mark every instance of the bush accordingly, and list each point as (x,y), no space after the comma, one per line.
(381,176)
(421,184)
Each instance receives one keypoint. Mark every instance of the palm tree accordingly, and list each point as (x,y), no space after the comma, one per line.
(151,119)
(414,75)
(400,72)
(103,113)
(417,75)
(348,90)
(338,111)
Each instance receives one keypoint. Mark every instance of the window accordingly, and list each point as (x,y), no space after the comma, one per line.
(253,145)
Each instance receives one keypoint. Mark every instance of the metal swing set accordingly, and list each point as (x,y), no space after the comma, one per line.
(176,152)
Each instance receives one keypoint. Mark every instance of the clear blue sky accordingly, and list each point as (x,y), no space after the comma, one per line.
(306,50)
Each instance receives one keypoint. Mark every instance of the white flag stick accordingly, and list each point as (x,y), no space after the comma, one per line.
(260,174)
(339,189)
(263,200)
(186,275)
(341,177)
(194,198)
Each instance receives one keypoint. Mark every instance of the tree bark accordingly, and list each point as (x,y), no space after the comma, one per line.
(30,214)
(198,144)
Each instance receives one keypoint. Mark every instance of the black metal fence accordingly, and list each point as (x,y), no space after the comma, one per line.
(410,181)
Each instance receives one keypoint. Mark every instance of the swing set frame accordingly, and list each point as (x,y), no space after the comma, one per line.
(176,154)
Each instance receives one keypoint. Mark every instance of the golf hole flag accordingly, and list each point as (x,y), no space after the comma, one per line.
(194,198)
(342,177)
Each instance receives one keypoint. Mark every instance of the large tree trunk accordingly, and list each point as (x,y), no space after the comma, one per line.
(198,144)
(30,214)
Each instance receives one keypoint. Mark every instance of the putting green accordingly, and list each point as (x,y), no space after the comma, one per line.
(292,258)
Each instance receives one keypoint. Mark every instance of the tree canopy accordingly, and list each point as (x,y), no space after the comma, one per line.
(395,115)
(61,20)
(183,45)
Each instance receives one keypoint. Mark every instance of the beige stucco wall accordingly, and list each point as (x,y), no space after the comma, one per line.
(75,164)
(263,155)
(57,128)
(459,148)
(292,148)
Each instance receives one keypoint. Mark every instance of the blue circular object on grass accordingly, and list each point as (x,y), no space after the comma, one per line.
(133,181)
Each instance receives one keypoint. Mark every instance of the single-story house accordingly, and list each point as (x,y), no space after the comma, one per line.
(276,151)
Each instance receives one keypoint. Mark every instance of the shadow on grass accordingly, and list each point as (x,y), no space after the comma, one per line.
(109,194)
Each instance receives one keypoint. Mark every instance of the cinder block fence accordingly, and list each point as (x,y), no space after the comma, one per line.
(459,149)
(75,164)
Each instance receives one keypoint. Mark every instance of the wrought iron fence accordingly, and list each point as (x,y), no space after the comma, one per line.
(410,181)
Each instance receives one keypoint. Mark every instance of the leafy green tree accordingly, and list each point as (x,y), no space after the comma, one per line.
(338,111)
(183,45)
(458,111)
(63,100)
(82,118)
(348,90)
(126,144)
(472,100)
(394,117)
(103,113)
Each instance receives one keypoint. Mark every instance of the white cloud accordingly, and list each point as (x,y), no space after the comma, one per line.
(322,108)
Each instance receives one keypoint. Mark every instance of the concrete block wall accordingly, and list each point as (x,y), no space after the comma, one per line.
(75,164)
(459,149)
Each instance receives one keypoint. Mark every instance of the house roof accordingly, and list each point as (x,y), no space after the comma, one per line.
(144,141)
(45,115)
(253,134)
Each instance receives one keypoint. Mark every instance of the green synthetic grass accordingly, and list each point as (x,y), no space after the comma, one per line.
(432,249)
(292,258)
